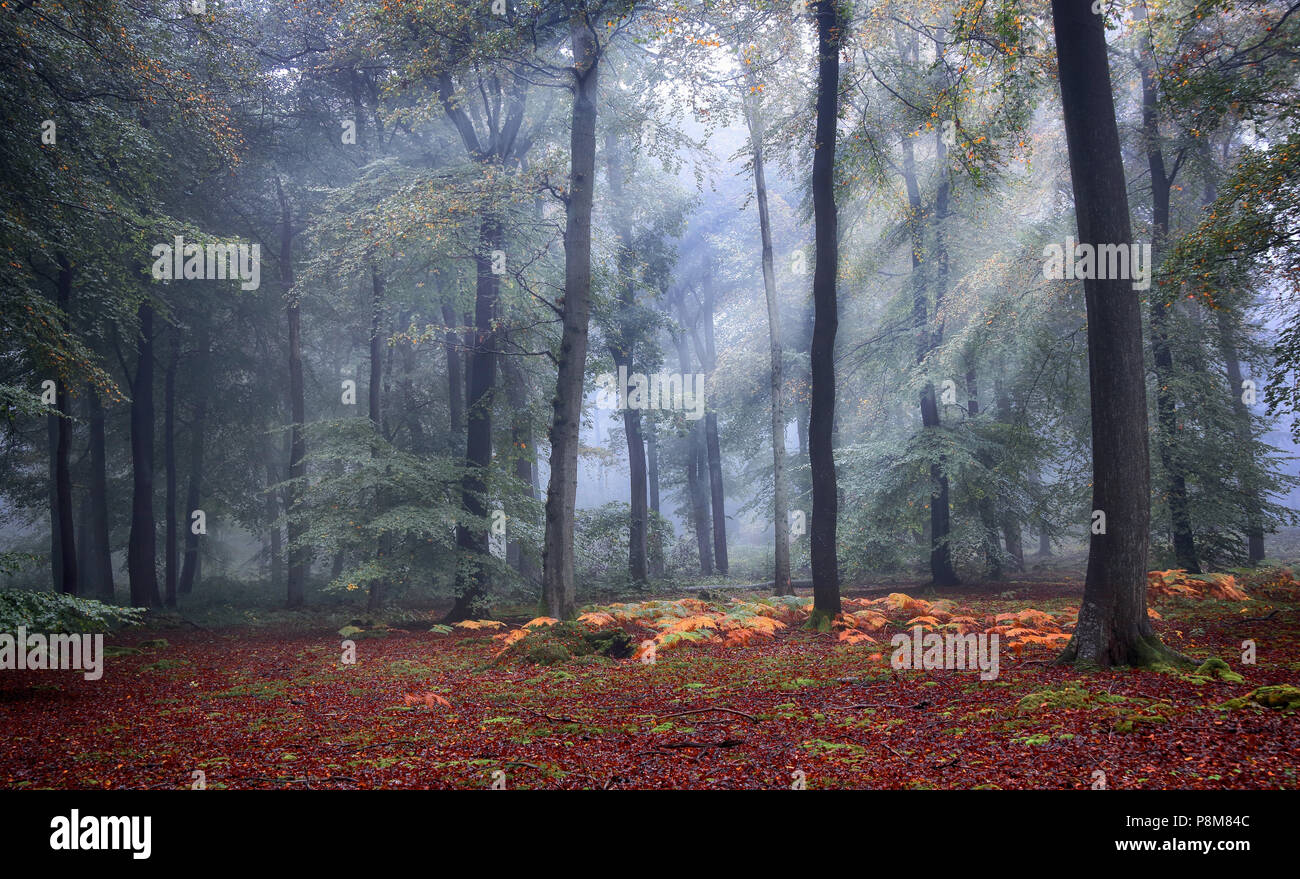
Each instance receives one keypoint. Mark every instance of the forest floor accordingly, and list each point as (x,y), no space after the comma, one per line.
(275,707)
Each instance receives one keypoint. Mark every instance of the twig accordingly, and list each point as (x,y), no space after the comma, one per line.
(749,717)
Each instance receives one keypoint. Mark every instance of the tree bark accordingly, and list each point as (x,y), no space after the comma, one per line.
(1171,462)
(100,575)
(780,497)
(473,539)
(561,493)
(141,551)
(1113,627)
(375,599)
(169,467)
(821,420)
(1010,521)
(984,502)
(193,492)
(455,381)
(296,580)
(621,349)
(654,538)
(65,542)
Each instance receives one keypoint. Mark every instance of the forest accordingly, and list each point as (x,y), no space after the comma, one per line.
(615,394)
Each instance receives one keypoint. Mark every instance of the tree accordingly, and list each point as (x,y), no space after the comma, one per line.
(1113,627)
(831,22)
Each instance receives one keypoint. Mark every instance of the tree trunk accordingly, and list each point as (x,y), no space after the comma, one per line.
(655,539)
(375,600)
(1244,434)
(1171,461)
(696,466)
(1010,521)
(621,350)
(100,575)
(941,569)
(473,539)
(296,581)
(141,547)
(780,499)
(193,492)
(64,538)
(561,493)
(984,503)
(1113,627)
(455,381)
(169,466)
(821,420)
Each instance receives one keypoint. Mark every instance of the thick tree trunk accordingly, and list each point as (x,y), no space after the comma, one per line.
(821,420)
(1113,627)
(99,574)
(1171,462)
(780,497)
(141,551)
(193,491)
(561,494)
(169,467)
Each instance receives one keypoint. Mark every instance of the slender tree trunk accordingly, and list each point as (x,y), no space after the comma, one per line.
(65,543)
(655,538)
(169,466)
(984,503)
(561,494)
(375,600)
(821,421)
(473,539)
(780,498)
(704,349)
(621,350)
(1113,627)
(696,467)
(275,549)
(1010,521)
(52,434)
(297,577)
(1244,434)
(141,554)
(102,548)
(1171,461)
(193,491)
(519,554)
(455,381)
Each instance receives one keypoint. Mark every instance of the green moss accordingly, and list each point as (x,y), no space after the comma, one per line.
(1073,695)
(1131,722)
(1281,696)
(1217,667)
